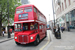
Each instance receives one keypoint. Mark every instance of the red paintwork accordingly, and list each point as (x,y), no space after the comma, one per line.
(31,16)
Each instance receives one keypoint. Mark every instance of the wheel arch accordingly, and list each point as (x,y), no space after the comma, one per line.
(37,36)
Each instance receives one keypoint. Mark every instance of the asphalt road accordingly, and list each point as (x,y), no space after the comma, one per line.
(10,45)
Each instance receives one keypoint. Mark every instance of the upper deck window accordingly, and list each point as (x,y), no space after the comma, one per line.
(28,9)
(35,10)
(20,10)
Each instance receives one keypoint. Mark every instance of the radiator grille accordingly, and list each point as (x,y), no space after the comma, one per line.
(23,38)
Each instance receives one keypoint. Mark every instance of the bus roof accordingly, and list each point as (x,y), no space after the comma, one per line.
(26,5)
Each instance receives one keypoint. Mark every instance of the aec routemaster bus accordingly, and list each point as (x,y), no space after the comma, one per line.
(29,25)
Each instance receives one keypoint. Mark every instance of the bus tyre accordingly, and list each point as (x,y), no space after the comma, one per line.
(36,42)
(17,43)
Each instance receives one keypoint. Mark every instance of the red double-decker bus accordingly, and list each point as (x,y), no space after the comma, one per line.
(29,25)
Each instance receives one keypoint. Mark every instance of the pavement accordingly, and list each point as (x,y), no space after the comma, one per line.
(5,38)
(67,41)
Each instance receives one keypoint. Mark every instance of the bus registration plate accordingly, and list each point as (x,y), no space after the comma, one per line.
(23,43)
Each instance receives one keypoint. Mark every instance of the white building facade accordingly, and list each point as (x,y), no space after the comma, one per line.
(65,12)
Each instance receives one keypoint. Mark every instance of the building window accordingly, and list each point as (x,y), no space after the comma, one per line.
(69,2)
(62,7)
(58,10)
(65,3)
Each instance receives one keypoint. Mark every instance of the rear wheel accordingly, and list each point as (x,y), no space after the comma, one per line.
(37,41)
(17,43)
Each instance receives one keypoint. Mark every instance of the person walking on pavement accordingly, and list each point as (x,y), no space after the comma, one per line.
(3,33)
(54,30)
(58,34)
(10,30)
(68,29)
(62,29)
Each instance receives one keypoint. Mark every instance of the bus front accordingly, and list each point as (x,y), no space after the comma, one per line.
(25,32)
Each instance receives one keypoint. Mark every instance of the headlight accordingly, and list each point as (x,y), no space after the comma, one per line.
(31,37)
(15,37)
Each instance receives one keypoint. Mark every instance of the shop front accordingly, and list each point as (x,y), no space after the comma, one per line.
(70,19)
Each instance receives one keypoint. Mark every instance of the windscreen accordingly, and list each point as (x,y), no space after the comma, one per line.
(27,9)
(20,10)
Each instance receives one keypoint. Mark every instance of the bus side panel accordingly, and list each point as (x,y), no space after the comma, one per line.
(40,32)
(35,16)
(15,18)
(44,32)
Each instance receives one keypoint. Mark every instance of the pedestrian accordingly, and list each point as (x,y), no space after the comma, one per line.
(54,30)
(62,29)
(3,33)
(68,28)
(10,30)
(58,34)
(24,28)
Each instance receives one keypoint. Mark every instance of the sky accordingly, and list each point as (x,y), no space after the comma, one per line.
(45,6)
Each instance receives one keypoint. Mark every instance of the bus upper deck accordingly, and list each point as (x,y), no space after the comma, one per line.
(28,13)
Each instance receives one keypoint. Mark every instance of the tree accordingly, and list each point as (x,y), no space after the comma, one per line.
(3,10)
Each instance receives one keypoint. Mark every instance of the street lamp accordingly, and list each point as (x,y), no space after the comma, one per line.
(8,18)
(53,12)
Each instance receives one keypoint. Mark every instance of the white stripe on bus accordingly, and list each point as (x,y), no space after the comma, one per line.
(30,21)
(24,21)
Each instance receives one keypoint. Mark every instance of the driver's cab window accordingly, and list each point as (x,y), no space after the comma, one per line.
(25,26)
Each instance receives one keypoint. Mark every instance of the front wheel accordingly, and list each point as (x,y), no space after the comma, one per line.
(37,41)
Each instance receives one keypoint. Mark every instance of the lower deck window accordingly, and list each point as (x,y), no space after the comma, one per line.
(18,27)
